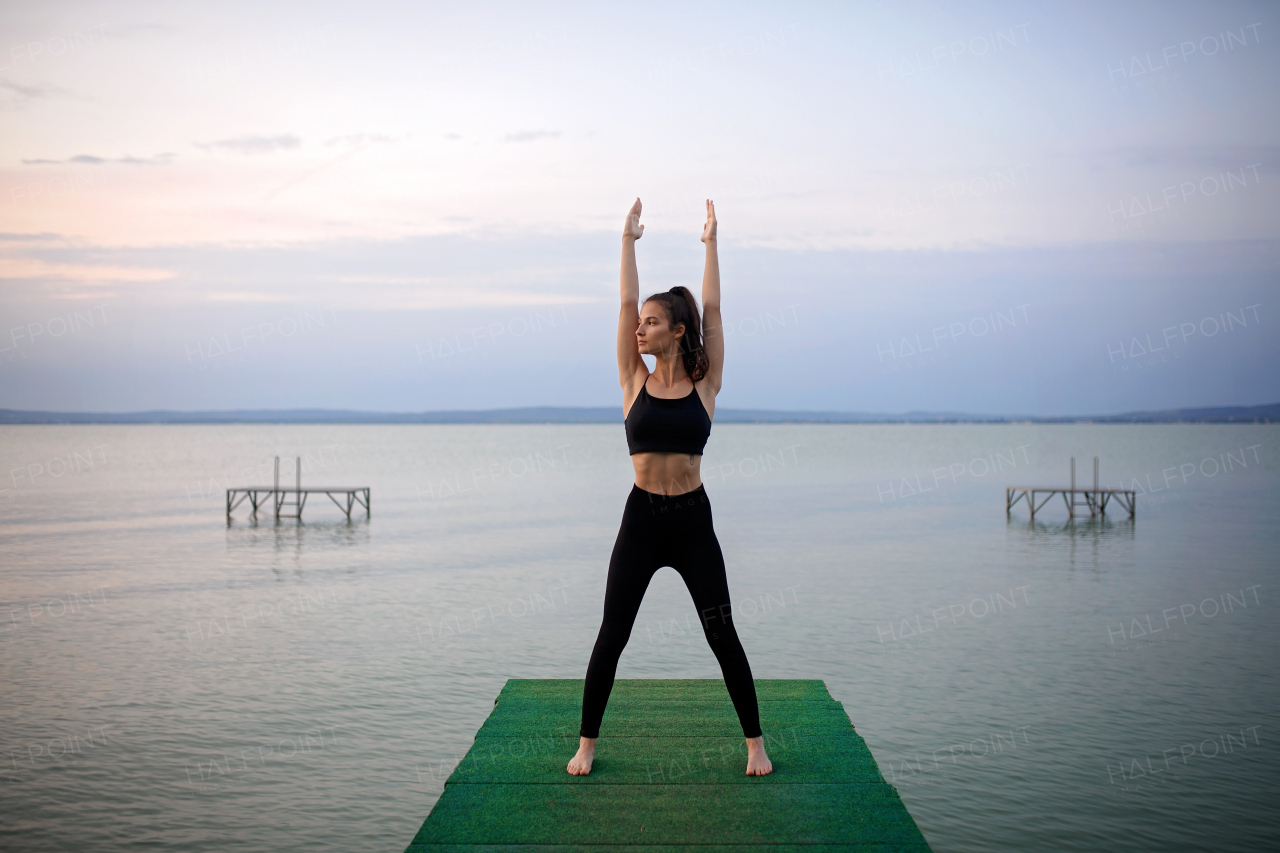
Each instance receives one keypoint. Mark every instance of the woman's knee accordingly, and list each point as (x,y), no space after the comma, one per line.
(721,635)
(720,615)
(613,636)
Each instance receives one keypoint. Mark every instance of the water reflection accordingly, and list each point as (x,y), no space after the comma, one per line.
(1090,542)
(1083,528)
(290,539)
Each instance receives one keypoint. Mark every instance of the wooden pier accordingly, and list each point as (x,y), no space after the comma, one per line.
(1095,499)
(668,776)
(279,497)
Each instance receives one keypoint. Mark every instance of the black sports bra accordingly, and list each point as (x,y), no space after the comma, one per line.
(663,425)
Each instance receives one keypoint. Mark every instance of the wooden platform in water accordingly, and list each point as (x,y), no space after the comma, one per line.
(669,775)
(258,496)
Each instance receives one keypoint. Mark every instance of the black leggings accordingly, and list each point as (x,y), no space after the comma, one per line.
(662,530)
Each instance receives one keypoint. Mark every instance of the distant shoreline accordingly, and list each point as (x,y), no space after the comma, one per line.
(613,415)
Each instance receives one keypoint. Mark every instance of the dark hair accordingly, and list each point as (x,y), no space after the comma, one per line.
(683,310)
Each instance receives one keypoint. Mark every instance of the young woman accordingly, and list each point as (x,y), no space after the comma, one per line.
(667,519)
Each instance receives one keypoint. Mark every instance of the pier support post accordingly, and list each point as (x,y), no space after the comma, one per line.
(1071,510)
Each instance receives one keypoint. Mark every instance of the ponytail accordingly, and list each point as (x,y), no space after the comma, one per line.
(682,309)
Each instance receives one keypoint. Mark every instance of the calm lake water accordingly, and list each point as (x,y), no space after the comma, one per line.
(174,681)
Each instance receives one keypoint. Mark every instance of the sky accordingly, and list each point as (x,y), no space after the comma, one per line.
(1007,209)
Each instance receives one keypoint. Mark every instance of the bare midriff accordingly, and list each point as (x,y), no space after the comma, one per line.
(668,473)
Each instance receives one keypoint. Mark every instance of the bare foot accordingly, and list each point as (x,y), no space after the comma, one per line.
(758,764)
(580,764)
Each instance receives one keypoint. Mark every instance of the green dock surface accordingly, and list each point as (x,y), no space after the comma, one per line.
(669,775)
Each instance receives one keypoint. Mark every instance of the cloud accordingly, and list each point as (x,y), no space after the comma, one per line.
(27,269)
(28,238)
(359,139)
(140,29)
(32,92)
(153,160)
(83,158)
(90,160)
(399,300)
(450,271)
(530,135)
(250,145)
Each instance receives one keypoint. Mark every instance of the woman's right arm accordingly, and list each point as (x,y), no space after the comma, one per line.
(630,366)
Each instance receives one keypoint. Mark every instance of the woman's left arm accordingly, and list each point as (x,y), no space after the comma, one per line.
(712,326)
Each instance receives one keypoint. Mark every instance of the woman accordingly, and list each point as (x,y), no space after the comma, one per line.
(667,520)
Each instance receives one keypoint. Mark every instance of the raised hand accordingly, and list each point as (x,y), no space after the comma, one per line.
(709,230)
(633,228)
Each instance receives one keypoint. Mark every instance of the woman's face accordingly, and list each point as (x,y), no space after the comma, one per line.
(654,335)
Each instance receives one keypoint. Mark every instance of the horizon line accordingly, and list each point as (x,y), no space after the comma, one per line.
(1265,413)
